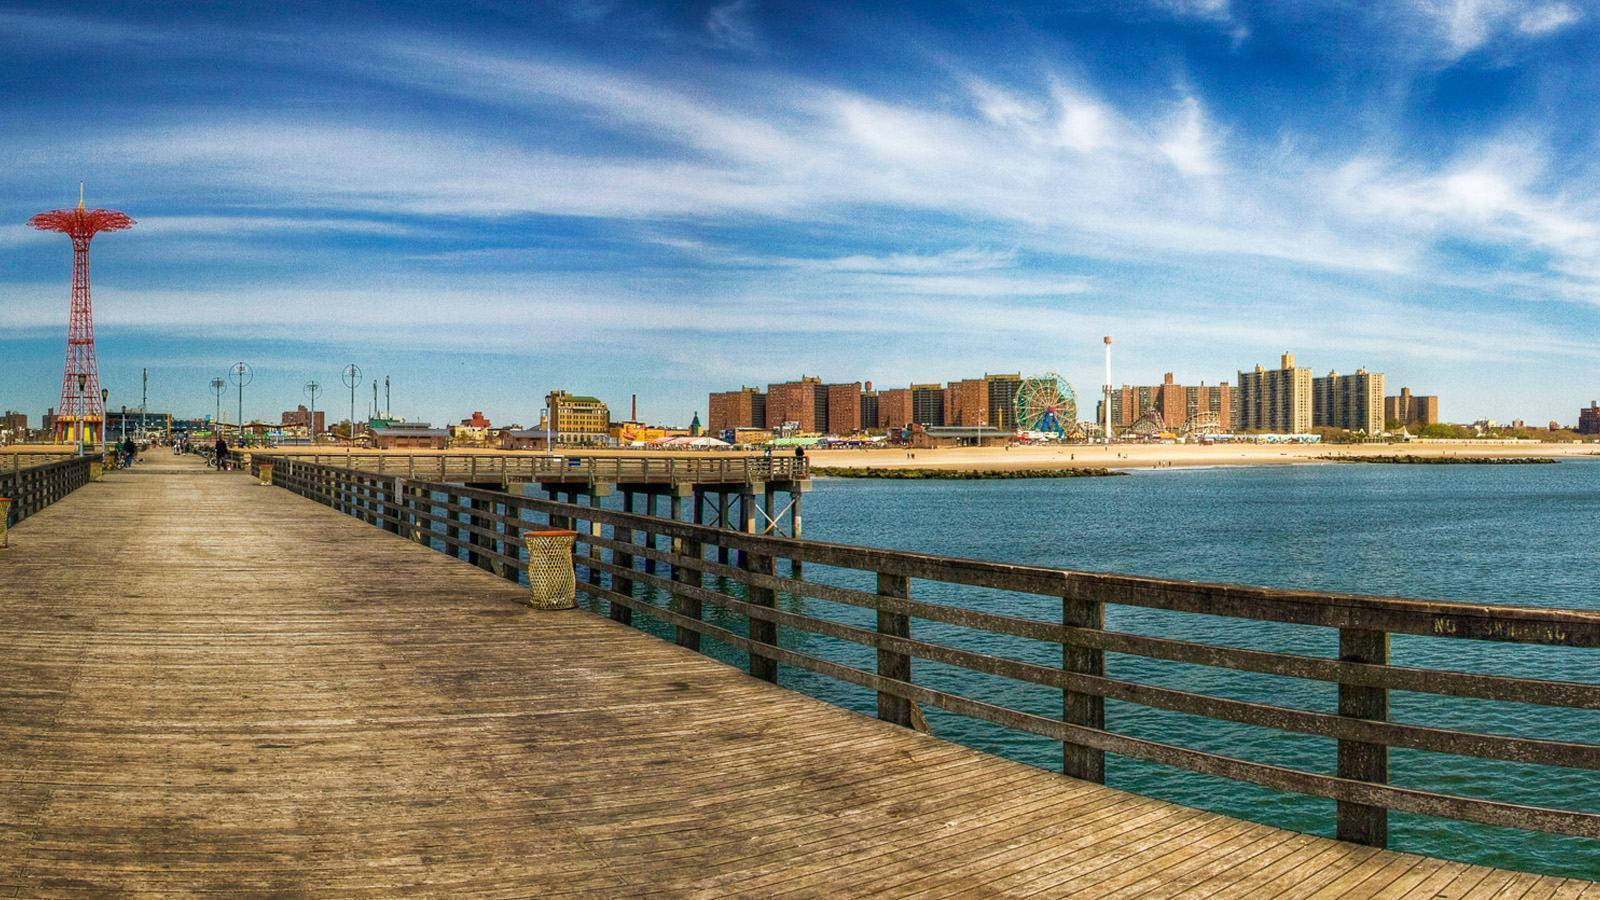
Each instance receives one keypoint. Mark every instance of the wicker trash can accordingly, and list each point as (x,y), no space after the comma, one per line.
(551,584)
(264,472)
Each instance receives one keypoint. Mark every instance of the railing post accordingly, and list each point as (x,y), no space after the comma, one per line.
(1358,760)
(760,630)
(1088,710)
(893,622)
(621,584)
(688,606)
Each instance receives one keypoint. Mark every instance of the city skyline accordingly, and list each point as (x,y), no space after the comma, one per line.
(664,199)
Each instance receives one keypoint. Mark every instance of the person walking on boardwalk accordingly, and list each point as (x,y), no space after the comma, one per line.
(128,451)
(221,450)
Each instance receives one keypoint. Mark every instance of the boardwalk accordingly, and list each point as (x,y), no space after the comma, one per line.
(209,685)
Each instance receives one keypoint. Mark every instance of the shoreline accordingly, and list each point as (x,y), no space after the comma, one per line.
(1131,457)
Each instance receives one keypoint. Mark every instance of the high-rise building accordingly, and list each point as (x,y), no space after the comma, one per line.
(15,422)
(869,408)
(1277,400)
(1352,402)
(744,408)
(796,402)
(1174,403)
(577,420)
(1003,400)
(1589,419)
(895,409)
(843,405)
(966,402)
(927,404)
(1411,409)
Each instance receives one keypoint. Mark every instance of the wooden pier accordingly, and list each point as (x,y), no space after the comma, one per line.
(212,685)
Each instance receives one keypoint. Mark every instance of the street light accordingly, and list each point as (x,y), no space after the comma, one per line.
(217,385)
(312,390)
(241,374)
(83,411)
(104,416)
(352,377)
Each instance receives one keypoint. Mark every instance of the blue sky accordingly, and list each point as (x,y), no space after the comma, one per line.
(485,200)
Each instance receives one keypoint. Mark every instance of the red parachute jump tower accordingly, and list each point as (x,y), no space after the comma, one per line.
(82,414)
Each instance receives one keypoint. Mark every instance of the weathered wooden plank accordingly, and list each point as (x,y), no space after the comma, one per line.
(277,699)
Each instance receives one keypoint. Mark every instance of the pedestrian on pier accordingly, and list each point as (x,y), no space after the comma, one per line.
(221,451)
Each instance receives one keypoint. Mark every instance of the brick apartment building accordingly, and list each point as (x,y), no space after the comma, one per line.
(966,402)
(843,408)
(894,408)
(1411,409)
(1174,403)
(1589,419)
(300,417)
(796,402)
(744,408)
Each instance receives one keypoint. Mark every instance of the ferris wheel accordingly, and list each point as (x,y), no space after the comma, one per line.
(1045,403)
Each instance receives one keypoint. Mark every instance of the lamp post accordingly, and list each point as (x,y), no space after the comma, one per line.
(217,384)
(352,377)
(241,374)
(83,415)
(105,414)
(312,389)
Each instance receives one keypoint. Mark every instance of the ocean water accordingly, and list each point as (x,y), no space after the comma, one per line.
(1520,535)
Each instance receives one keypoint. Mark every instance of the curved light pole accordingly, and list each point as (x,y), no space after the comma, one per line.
(312,389)
(241,374)
(352,377)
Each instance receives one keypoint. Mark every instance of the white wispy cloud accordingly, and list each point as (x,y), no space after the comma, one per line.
(1466,25)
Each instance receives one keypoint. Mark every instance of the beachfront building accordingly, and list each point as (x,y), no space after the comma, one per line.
(843,408)
(1411,409)
(1003,391)
(1174,403)
(966,403)
(744,408)
(895,409)
(577,420)
(1276,400)
(1352,402)
(408,436)
(1589,419)
(792,405)
(927,404)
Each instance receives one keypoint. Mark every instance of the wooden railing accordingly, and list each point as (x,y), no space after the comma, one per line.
(35,487)
(510,467)
(658,568)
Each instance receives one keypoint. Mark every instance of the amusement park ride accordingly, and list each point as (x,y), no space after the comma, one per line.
(1046,405)
(81,416)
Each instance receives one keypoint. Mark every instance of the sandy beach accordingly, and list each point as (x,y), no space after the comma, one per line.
(1143,456)
(1117,456)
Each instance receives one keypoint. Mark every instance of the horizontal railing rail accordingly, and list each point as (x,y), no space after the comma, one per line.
(507,467)
(666,570)
(32,488)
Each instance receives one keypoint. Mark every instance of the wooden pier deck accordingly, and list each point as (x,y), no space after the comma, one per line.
(209,685)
